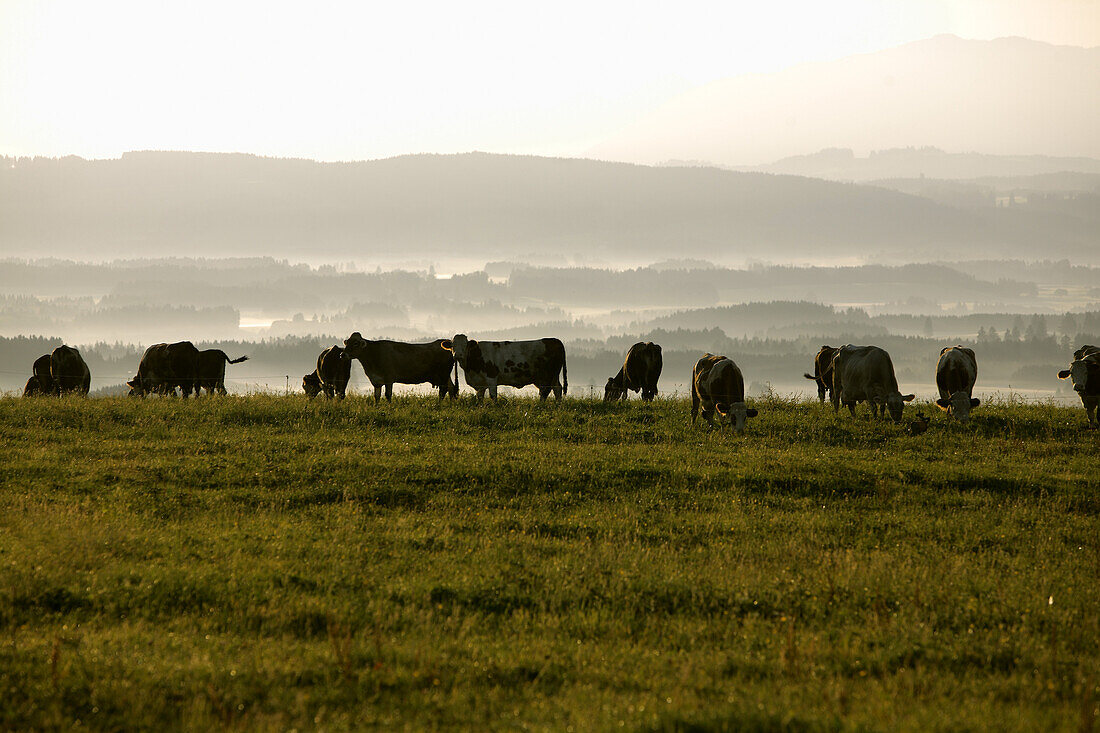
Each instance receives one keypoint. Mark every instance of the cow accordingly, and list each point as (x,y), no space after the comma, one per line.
(640,372)
(955,374)
(164,367)
(1084,373)
(823,371)
(866,373)
(491,364)
(210,370)
(387,363)
(69,371)
(333,372)
(311,383)
(717,386)
(41,381)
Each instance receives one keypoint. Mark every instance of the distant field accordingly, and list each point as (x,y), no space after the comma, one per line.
(272,563)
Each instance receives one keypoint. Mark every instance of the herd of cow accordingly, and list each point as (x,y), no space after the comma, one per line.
(847,375)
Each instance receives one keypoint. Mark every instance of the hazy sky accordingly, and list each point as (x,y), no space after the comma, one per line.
(365,80)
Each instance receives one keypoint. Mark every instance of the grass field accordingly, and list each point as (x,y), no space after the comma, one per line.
(272,563)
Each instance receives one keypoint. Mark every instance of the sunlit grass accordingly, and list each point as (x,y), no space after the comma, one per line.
(273,562)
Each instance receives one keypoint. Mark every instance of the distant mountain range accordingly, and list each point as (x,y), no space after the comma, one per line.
(842,164)
(1009,96)
(492,207)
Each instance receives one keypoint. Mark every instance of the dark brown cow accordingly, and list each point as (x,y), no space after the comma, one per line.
(956,372)
(823,371)
(387,363)
(311,383)
(865,373)
(164,367)
(69,371)
(1084,372)
(492,364)
(334,371)
(639,372)
(718,386)
(210,370)
(41,381)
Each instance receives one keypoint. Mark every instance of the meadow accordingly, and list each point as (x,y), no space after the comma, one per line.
(273,563)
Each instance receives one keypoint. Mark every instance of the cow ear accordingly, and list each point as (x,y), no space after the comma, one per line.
(944,350)
(132,384)
(751,412)
(722,408)
(446,345)
(943,403)
(974,402)
(908,397)
(1063,374)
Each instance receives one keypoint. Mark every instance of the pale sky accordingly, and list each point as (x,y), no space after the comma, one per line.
(358,80)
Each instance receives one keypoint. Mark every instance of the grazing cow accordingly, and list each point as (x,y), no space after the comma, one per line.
(164,367)
(866,373)
(823,371)
(1084,372)
(955,374)
(70,372)
(333,372)
(311,383)
(210,370)
(491,364)
(717,385)
(387,363)
(639,372)
(41,381)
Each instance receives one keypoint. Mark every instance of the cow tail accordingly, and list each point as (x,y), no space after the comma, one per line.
(456,376)
(234,361)
(564,375)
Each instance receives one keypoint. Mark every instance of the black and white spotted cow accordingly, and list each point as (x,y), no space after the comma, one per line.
(1084,372)
(491,364)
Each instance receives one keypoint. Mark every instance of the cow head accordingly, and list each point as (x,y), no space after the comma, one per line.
(734,414)
(895,403)
(959,405)
(136,389)
(311,383)
(460,347)
(353,344)
(614,390)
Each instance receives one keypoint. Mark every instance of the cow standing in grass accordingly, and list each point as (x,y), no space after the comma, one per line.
(717,386)
(164,367)
(210,370)
(639,372)
(332,374)
(823,371)
(1084,372)
(491,364)
(41,381)
(956,372)
(394,362)
(69,371)
(865,373)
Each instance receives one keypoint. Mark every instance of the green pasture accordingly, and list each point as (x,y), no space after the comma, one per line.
(273,563)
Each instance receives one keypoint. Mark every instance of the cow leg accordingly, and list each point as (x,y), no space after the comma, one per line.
(544,392)
(389,391)
(708,415)
(557,393)
(221,388)
(377,393)
(821,394)
(851,408)
(493,392)
(480,393)
(694,406)
(1090,411)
